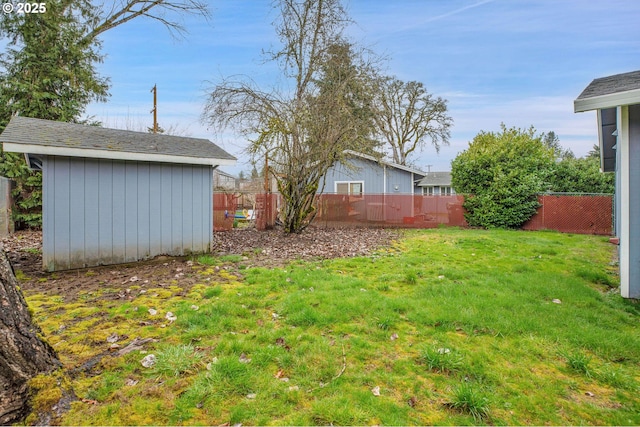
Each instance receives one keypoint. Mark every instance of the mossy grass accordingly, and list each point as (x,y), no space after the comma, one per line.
(445,326)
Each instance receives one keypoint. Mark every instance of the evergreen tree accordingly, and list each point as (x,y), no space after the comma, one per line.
(48,72)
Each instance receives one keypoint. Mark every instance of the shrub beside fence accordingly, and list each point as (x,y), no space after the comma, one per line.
(580,214)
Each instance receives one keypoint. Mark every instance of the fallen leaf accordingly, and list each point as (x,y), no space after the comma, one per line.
(281,342)
(195,307)
(170,317)
(251,396)
(394,337)
(376,391)
(148,361)
(279,374)
(113,338)
(153,311)
(556,301)
(90,401)
(588,393)
(130,382)
(412,401)
(244,359)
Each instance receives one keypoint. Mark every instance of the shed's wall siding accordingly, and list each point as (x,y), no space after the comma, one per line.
(99,212)
(634,201)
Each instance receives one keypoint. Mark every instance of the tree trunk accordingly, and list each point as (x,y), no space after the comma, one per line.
(23,354)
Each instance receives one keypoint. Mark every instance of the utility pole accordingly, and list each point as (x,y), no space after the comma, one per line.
(154,89)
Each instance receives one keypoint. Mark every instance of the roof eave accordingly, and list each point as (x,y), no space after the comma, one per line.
(607,101)
(391,164)
(112,155)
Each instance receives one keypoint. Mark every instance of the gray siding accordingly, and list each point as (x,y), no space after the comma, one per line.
(99,212)
(6,201)
(372,175)
(634,201)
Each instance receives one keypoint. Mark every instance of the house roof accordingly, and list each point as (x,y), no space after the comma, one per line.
(220,172)
(46,137)
(390,164)
(608,92)
(435,179)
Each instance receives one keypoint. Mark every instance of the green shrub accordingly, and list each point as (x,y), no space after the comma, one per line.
(501,175)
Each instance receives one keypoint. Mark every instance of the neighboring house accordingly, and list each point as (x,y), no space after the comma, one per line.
(365,174)
(223,181)
(437,184)
(617,102)
(113,196)
(366,189)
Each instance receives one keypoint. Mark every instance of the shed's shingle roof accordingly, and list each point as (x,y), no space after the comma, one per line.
(612,84)
(61,138)
(432,179)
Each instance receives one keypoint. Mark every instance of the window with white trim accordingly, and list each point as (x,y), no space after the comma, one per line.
(351,188)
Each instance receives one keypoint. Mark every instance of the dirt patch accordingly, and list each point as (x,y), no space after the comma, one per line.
(257,248)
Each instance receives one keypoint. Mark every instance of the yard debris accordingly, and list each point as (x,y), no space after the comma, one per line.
(412,401)
(153,311)
(130,382)
(148,361)
(314,242)
(294,388)
(376,391)
(394,337)
(134,345)
(444,351)
(251,396)
(556,301)
(113,338)
(281,342)
(195,307)
(244,359)
(170,317)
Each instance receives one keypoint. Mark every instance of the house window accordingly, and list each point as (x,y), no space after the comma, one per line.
(445,191)
(432,191)
(352,188)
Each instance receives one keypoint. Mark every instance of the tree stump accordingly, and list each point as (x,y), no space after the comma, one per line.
(23,354)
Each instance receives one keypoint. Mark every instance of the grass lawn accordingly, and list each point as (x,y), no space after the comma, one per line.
(448,326)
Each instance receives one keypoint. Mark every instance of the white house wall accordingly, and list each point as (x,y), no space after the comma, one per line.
(100,211)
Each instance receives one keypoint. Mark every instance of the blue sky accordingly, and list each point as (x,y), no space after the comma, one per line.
(513,61)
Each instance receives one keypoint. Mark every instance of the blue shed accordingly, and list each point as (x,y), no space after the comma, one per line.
(617,102)
(114,196)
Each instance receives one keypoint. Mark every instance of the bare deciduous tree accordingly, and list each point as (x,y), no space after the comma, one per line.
(305,131)
(120,12)
(408,117)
